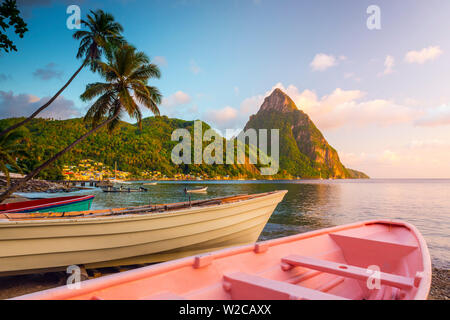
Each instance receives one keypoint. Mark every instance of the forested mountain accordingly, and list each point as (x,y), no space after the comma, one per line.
(304,151)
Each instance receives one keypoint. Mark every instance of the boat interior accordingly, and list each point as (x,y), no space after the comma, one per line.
(375,262)
(34,202)
(147,209)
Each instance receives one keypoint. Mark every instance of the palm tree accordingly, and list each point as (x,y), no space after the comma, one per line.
(126,73)
(103,31)
(12,145)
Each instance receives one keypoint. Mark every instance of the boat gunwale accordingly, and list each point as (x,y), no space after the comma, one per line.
(58,203)
(156,269)
(112,218)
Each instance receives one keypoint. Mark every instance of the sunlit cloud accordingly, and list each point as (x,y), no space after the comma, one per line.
(322,62)
(340,108)
(389,64)
(424,55)
(348,108)
(410,161)
(433,117)
(176,99)
(222,117)
(20,105)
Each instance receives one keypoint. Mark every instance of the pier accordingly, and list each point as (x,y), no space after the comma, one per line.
(79,183)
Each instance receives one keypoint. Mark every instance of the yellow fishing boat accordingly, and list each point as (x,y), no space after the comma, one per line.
(30,242)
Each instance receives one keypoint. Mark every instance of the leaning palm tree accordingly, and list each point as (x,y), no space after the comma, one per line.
(126,73)
(102,31)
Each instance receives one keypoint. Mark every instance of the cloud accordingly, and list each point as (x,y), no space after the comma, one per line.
(176,99)
(322,61)
(433,117)
(389,64)
(23,105)
(352,75)
(428,144)
(195,69)
(178,105)
(160,60)
(348,108)
(337,109)
(26,6)
(48,72)
(222,117)
(5,77)
(340,108)
(424,55)
(412,160)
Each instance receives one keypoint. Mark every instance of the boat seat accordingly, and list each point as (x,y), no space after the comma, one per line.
(346,270)
(383,247)
(243,286)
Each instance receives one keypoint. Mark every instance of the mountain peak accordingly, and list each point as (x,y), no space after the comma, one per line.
(304,151)
(278,101)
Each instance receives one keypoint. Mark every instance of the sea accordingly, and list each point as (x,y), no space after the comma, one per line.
(315,204)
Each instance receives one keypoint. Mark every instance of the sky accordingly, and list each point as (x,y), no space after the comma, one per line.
(381,97)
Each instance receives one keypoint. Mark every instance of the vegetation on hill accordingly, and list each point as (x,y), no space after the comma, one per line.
(134,149)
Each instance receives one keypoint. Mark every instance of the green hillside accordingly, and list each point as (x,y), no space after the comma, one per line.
(304,152)
(134,150)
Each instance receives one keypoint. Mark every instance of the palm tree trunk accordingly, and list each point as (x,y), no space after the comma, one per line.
(36,171)
(21,123)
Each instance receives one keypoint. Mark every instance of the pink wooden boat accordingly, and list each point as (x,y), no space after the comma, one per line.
(372,260)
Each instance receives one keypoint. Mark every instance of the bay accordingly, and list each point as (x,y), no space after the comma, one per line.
(316,204)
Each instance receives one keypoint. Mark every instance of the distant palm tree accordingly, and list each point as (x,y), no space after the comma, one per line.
(103,31)
(12,145)
(126,73)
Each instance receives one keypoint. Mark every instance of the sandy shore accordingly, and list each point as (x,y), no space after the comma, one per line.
(440,285)
(19,285)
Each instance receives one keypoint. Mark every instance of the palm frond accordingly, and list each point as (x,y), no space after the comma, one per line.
(95,89)
(145,72)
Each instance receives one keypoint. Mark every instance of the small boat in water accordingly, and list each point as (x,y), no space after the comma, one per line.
(125,236)
(150,183)
(373,260)
(122,189)
(118,181)
(59,204)
(199,190)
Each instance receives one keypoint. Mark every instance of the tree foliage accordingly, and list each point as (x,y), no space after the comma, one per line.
(10,18)
(134,149)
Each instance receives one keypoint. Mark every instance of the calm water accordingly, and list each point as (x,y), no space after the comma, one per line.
(311,205)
